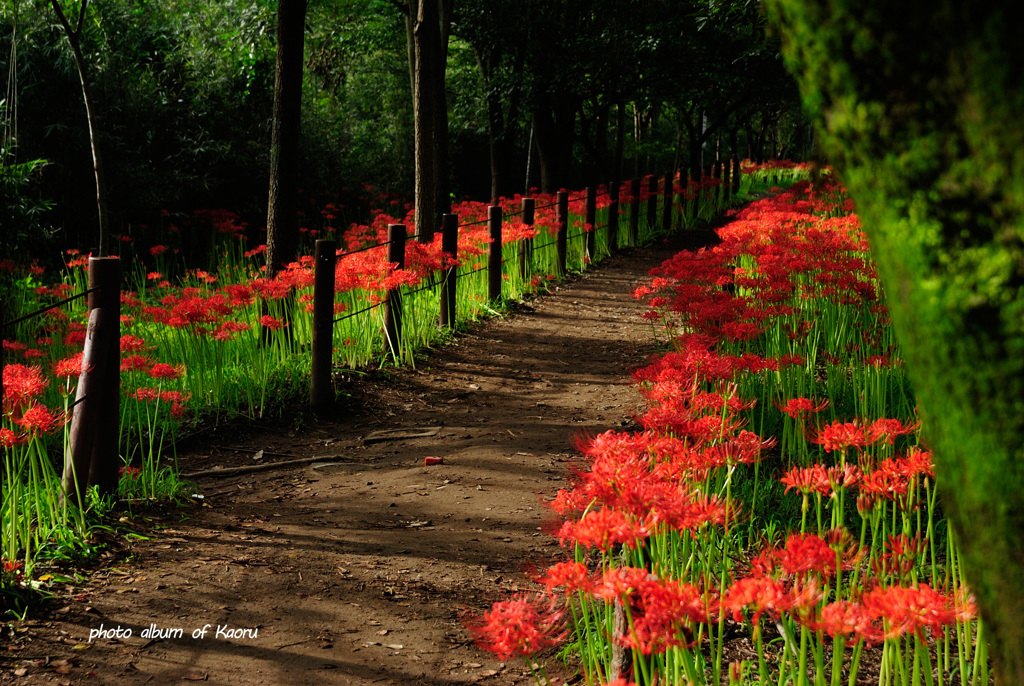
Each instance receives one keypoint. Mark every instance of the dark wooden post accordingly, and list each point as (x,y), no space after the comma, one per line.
(717,173)
(590,219)
(736,175)
(668,199)
(562,224)
(727,180)
(88,413)
(105,462)
(321,387)
(613,217)
(697,190)
(652,203)
(634,212)
(526,244)
(450,250)
(494,253)
(393,303)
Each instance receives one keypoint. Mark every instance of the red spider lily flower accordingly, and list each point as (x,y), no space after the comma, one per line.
(761,594)
(849,620)
(799,408)
(520,626)
(68,367)
(21,385)
(161,370)
(888,429)
(9,439)
(902,554)
(178,411)
(602,528)
(664,612)
(841,435)
(154,276)
(884,483)
(158,250)
(572,576)
(620,583)
(130,473)
(147,394)
(133,344)
(907,610)
(813,479)
(38,419)
(919,462)
(268,322)
(136,363)
(805,553)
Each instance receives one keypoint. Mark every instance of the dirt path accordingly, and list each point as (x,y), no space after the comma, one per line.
(357,572)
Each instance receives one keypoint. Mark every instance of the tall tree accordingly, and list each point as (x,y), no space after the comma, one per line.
(919,105)
(74,36)
(282,207)
(428,24)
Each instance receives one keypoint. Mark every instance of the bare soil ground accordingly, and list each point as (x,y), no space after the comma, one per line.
(356,569)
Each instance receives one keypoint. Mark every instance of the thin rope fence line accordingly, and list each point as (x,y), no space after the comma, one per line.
(353,314)
(363,249)
(53,306)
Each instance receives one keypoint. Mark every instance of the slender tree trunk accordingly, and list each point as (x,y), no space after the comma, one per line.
(430,113)
(928,139)
(282,206)
(620,140)
(73,36)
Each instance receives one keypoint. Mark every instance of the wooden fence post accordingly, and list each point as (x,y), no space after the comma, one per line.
(450,250)
(717,173)
(652,203)
(105,461)
(526,244)
(668,200)
(393,302)
(321,387)
(562,224)
(634,212)
(613,217)
(590,219)
(697,191)
(727,180)
(494,253)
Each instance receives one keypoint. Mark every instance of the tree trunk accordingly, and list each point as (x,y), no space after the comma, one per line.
(282,206)
(620,140)
(554,124)
(430,114)
(926,134)
(73,36)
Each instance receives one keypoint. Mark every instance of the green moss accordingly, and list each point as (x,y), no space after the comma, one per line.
(919,107)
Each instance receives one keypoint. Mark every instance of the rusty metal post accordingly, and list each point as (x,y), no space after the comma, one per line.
(105,461)
(450,250)
(634,212)
(494,253)
(668,200)
(321,387)
(652,202)
(526,244)
(562,224)
(393,303)
(613,217)
(590,219)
